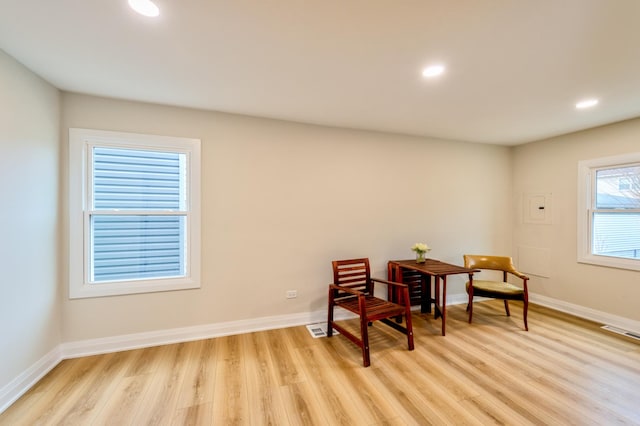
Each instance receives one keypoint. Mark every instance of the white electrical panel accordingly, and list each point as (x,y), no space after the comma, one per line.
(536,208)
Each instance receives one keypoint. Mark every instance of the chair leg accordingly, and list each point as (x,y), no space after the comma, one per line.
(524,314)
(364,333)
(408,321)
(330,314)
(366,361)
(506,307)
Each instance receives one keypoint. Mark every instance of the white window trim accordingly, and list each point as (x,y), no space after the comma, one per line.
(586,171)
(80,141)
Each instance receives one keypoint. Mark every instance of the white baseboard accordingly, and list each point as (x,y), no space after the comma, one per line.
(586,313)
(569,308)
(185,334)
(18,386)
(460,298)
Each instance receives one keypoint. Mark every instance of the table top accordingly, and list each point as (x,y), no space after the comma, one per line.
(433,267)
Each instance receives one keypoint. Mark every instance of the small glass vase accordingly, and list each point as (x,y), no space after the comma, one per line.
(420,257)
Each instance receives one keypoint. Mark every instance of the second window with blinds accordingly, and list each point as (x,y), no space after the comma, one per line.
(134,213)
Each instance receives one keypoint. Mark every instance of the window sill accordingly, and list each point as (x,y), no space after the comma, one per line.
(610,262)
(131,287)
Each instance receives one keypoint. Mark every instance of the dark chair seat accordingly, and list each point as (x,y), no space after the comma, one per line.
(493,289)
(374,308)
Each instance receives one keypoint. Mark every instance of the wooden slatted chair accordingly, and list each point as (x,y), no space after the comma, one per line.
(353,290)
(496,289)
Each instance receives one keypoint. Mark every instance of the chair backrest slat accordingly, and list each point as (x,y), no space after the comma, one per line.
(352,273)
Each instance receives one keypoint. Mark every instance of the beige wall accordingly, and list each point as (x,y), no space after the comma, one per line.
(29,220)
(281,200)
(551,166)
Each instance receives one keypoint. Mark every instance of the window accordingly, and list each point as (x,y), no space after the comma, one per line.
(609,211)
(134,216)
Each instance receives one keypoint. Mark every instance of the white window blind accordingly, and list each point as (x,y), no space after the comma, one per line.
(135,246)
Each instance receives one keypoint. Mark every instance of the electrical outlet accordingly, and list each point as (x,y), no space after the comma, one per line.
(292,294)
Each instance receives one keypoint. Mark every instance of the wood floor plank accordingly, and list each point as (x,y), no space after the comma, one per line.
(36,400)
(331,396)
(161,400)
(265,403)
(230,399)
(564,370)
(365,397)
(96,389)
(445,408)
(62,402)
(600,394)
(405,399)
(122,405)
(568,380)
(508,386)
(303,409)
(493,411)
(199,381)
(368,400)
(194,415)
(281,349)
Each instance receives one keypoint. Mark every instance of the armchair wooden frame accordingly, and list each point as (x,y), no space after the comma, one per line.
(353,290)
(496,289)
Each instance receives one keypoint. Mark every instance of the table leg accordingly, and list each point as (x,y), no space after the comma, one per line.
(425,294)
(429,294)
(436,300)
(444,303)
(441,301)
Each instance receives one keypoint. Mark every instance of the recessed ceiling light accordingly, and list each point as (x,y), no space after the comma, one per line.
(145,7)
(587,103)
(432,71)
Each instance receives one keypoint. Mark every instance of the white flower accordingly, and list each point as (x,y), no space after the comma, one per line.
(420,248)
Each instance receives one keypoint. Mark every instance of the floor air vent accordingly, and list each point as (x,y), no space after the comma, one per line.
(320,330)
(622,331)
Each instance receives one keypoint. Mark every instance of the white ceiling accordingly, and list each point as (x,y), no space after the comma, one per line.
(515,68)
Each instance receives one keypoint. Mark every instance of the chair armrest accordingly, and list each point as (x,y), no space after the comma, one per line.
(520,275)
(396,291)
(391,283)
(346,290)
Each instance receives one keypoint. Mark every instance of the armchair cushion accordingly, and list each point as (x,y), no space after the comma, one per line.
(496,289)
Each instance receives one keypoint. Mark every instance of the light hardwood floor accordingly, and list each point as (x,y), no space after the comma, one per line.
(563,371)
